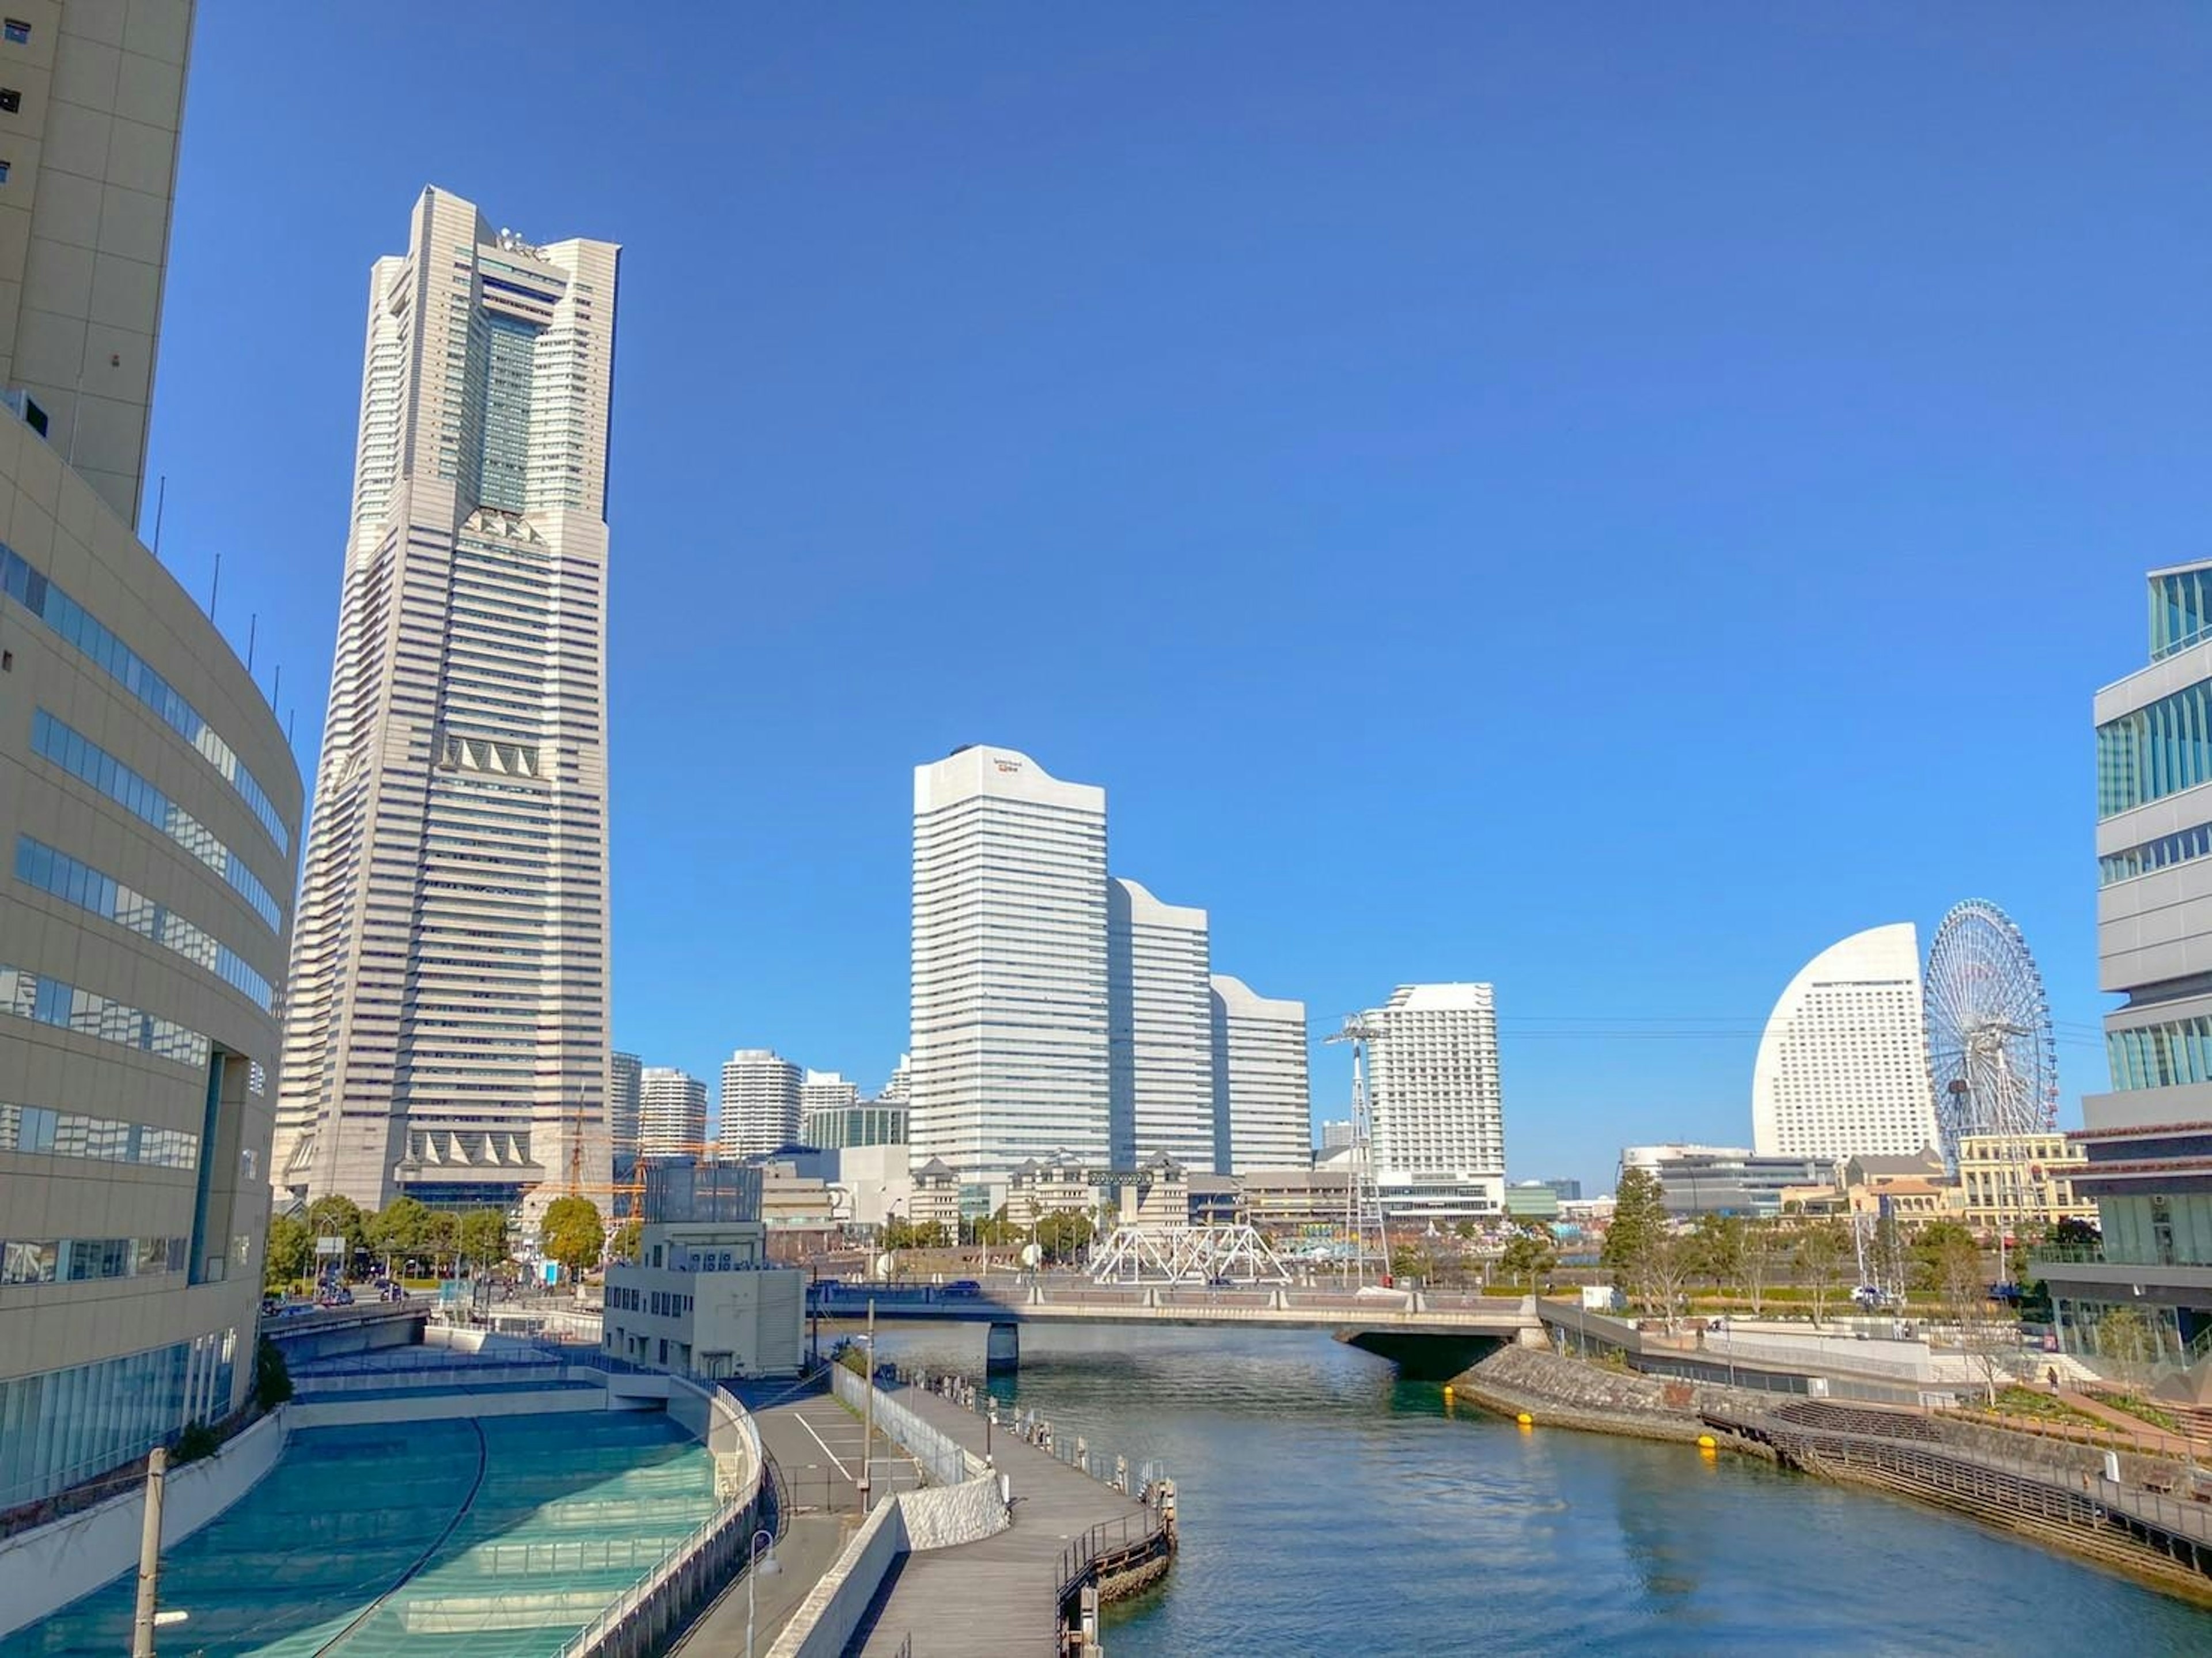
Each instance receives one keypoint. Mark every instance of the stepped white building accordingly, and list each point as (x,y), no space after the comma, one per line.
(1438,1108)
(1160,1030)
(1842,1067)
(761,1108)
(671,1116)
(446,1034)
(1009,1006)
(1262,1109)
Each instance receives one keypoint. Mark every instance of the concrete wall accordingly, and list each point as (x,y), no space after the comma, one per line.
(42,1572)
(337,1410)
(943,1517)
(825,1620)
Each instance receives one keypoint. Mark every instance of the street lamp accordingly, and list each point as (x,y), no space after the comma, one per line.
(756,1567)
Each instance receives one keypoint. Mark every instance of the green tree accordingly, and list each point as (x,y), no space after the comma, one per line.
(339,1217)
(1639,1220)
(290,1254)
(272,1379)
(628,1236)
(442,1238)
(1962,1291)
(1064,1234)
(1530,1252)
(1718,1245)
(1408,1260)
(1821,1254)
(1762,1258)
(2124,1336)
(399,1229)
(572,1233)
(1934,1250)
(483,1238)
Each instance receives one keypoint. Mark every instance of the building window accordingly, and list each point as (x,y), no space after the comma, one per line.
(17,32)
(3,173)
(11,100)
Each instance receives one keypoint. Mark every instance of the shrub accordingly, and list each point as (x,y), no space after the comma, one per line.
(199,1439)
(272,1377)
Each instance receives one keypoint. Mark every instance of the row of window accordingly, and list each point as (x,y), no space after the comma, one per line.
(41,865)
(2180,611)
(40,1130)
(2160,1055)
(83,758)
(78,1261)
(2180,848)
(661,1304)
(60,1427)
(2156,751)
(31,589)
(26,996)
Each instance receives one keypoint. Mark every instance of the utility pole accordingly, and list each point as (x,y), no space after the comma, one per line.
(868,1411)
(1361,1196)
(149,1557)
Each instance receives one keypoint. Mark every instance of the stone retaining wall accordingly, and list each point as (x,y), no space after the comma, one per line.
(1567,1393)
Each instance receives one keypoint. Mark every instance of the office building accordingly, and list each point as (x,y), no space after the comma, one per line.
(761,1102)
(1263,1110)
(446,1034)
(1439,1150)
(624,1074)
(825,1091)
(150,810)
(1843,1065)
(1010,993)
(1336,1136)
(1731,1179)
(2148,1143)
(1160,1030)
(702,1298)
(865,1122)
(671,1114)
(1568,1191)
(1532,1199)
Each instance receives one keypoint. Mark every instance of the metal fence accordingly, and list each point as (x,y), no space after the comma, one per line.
(937,1453)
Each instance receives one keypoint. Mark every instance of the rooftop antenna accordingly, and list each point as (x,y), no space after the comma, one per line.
(215,586)
(161,501)
(253,626)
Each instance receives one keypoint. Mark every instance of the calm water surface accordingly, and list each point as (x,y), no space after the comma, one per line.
(1328,1507)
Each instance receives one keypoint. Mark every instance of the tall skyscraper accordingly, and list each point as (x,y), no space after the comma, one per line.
(1438,1109)
(1010,983)
(1160,1030)
(761,1102)
(446,1028)
(671,1114)
(624,1077)
(1263,1110)
(1843,1065)
(150,809)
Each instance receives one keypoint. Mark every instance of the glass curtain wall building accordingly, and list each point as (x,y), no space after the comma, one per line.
(150,810)
(446,1035)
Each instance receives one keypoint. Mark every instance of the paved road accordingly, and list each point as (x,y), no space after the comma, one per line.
(996,1597)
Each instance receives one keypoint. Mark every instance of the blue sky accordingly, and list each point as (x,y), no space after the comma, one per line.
(1603,499)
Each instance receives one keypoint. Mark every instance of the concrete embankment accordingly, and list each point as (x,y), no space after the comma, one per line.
(1557,1392)
(2142,1524)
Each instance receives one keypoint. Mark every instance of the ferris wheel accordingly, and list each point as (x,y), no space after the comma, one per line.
(1991,1054)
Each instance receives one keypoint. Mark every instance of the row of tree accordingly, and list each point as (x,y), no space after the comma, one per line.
(441,1242)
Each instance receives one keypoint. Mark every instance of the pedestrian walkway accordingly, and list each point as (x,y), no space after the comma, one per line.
(998,1598)
(2150,1438)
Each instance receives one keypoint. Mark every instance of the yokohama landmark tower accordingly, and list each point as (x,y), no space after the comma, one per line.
(446,1031)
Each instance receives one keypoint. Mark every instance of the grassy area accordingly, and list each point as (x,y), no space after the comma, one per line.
(2044,1407)
(2141,1409)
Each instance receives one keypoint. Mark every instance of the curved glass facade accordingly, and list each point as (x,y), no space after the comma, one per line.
(2160,1055)
(2180,610)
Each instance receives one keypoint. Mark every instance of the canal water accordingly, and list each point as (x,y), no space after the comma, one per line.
(1328,1507)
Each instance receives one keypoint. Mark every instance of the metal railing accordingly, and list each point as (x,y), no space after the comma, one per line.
(1079,1560)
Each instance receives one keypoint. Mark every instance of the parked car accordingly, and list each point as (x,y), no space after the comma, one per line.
(965,1287)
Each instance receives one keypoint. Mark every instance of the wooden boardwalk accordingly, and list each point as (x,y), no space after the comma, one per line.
(999,1596)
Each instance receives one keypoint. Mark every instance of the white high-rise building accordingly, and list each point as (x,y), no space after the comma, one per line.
(1009,981)
(900,1084)
(826,1090)
(1439,1145)
(762,1106)
(1842,1067)
(624,1074)
(671,1112)
(1262,1111)
(1160,1026)
(446,1031)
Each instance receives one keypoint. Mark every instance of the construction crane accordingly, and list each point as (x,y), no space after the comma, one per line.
(1362,1203)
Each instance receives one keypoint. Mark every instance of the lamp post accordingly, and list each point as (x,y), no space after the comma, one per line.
(754,1567)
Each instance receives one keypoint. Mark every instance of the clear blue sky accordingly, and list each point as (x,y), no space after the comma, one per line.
(1604,500)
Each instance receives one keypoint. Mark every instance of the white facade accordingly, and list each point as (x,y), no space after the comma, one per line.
(672,1113)
(900,1086)
(446,1031)
(1433,1087)
(1160,1026)
(1262,1108)
(624,1074)
(1009,1004)
(149,811)
(826,1090)
(1842,1067)
(761,1102)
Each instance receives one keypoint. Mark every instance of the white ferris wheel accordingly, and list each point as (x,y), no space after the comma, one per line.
(1990,1052)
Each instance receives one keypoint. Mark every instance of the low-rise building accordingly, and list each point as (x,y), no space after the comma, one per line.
(1157,1197)
(1047,1186)
(1215,1199)
(2008,1181)
(702,1299)
(1296,1206)
(1532,1199)
(935,1201)
(1722,1180)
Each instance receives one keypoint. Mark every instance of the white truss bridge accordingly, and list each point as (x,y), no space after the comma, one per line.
(1186,1254)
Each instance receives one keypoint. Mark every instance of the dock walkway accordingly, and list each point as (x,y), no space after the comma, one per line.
(1000,1596)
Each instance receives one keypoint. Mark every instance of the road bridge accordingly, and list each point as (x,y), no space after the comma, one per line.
(1426,1334)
